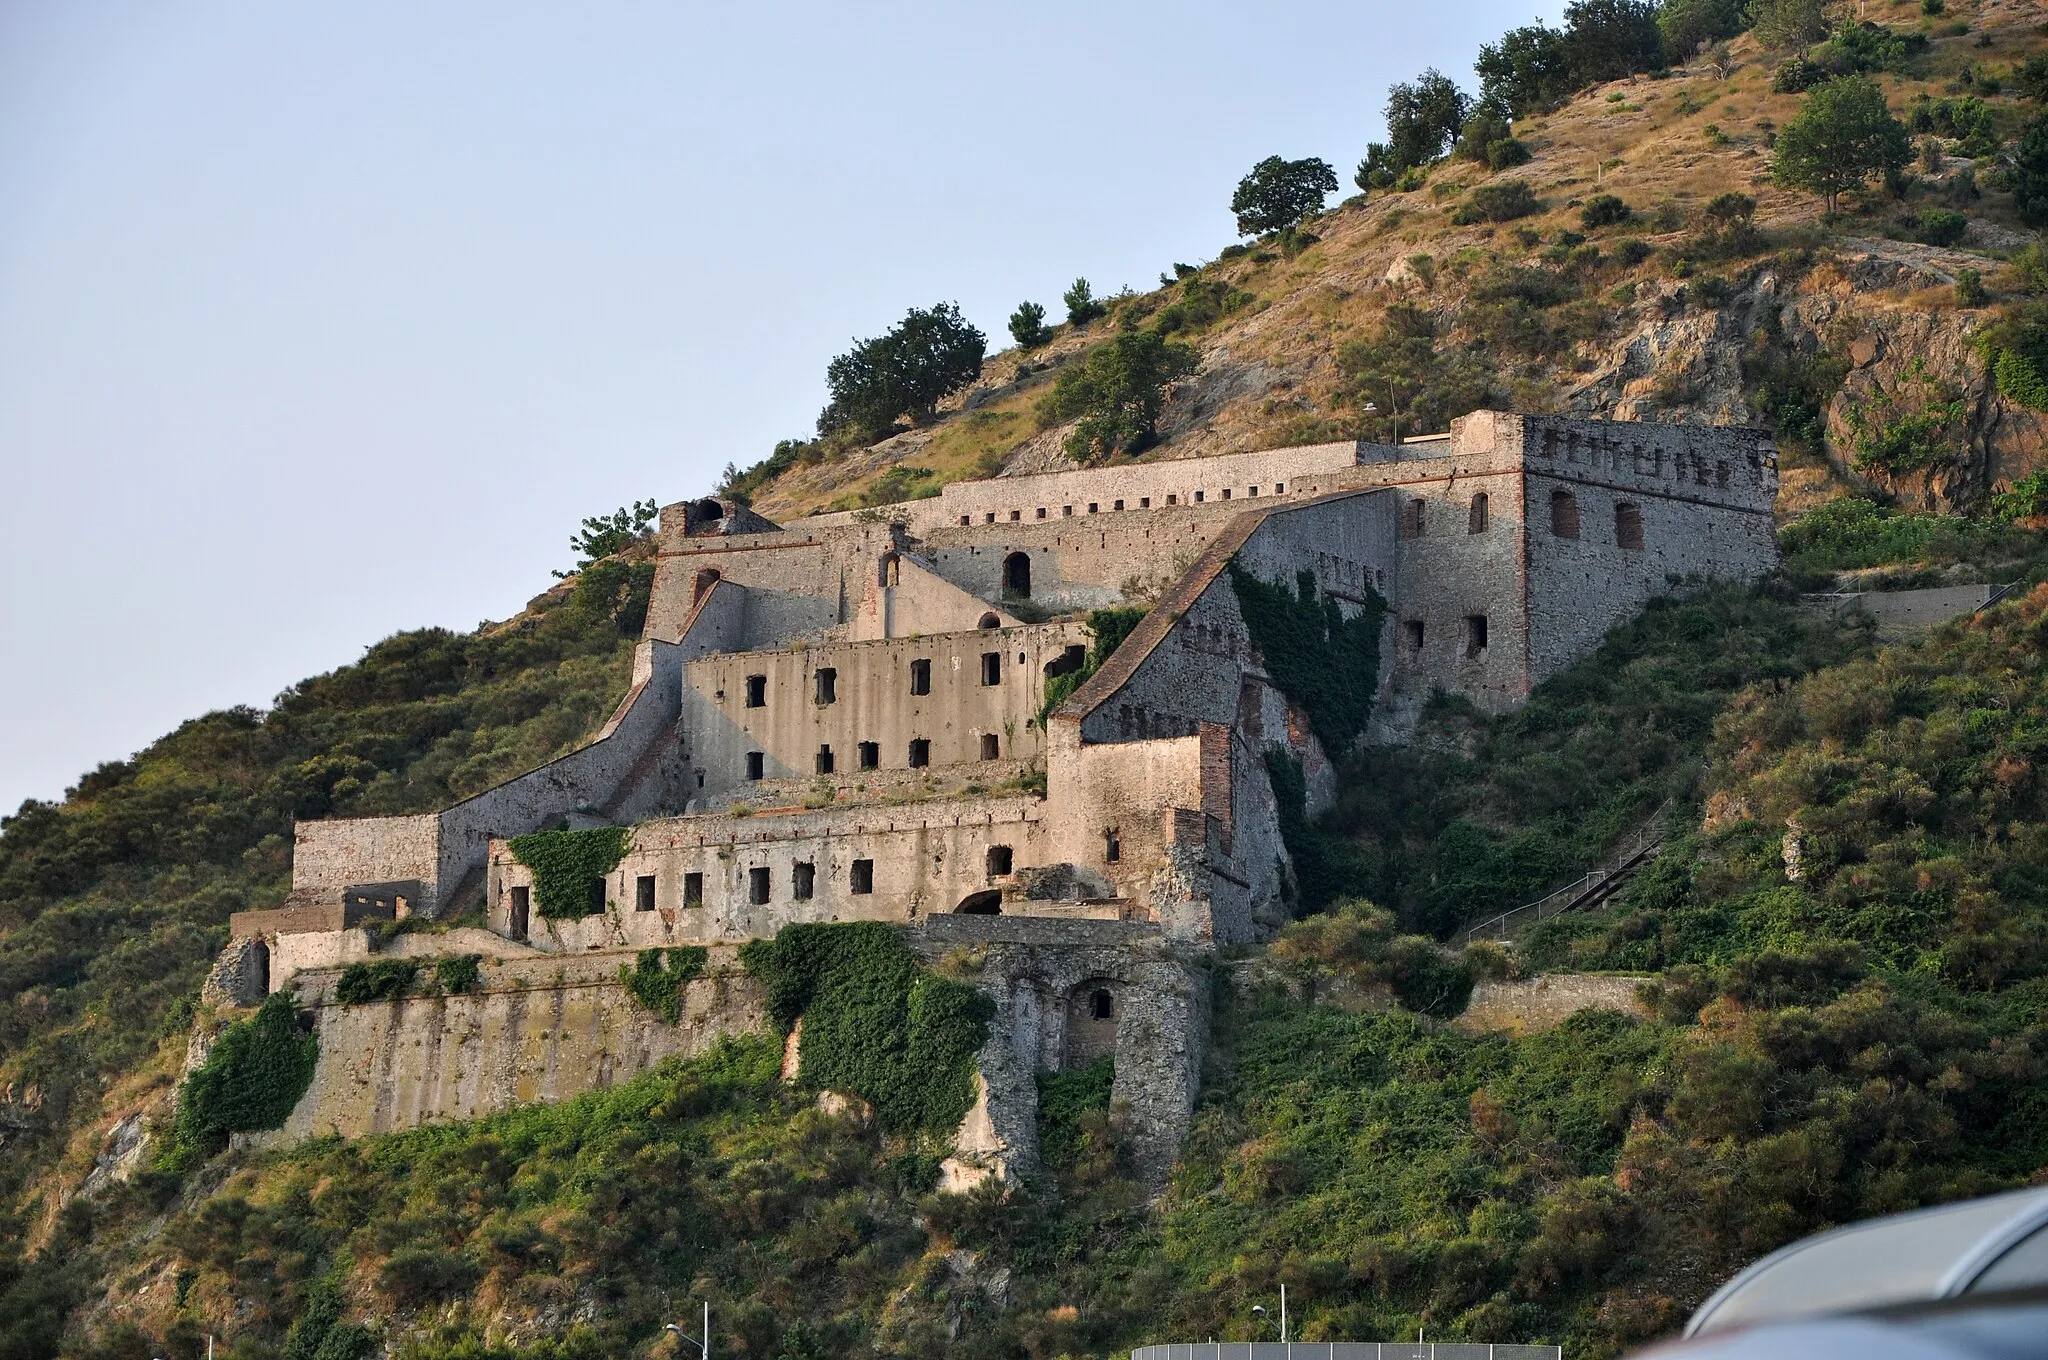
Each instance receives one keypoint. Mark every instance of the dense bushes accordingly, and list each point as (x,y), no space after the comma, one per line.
(875,1022)
(658,976)
(1851,533)
(252,1077)
(385,980)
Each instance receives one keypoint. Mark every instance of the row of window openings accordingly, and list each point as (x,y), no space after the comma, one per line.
(803,883)
(1564,518)
(825,680)
(1475,635)
(1095,507)
(869,754)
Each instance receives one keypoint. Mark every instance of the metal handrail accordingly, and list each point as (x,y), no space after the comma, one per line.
(1647,836)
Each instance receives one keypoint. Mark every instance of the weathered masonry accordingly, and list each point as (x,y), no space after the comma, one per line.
(845,719)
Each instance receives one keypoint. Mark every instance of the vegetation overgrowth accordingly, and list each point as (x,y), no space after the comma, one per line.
(569,867)
(252,1077)
(658,976)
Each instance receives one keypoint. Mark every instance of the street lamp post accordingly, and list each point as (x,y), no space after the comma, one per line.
(704,1346)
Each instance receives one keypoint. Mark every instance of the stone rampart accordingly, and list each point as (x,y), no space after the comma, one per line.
(538,1030)
(1536,1004)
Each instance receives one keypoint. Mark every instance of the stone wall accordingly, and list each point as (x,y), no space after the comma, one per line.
(331,855)
(1537,1004)
(536,1031)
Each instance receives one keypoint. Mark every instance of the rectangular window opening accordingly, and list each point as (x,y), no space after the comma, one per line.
(1279,488)
(1093,507)
(991,746)
(1112,846)
(1041,512)
(757,691)
(999,859)
(991,668)
(862,879)
(1118,506)
(522,902)
(693,890)
(1198,497)
(1016,515)
(824,760)
(756,765)
(1144,502)
(803,880)
(1475,635)
(921,676)
(1173,498)
(827,681)
(1413,627)
(870,755)
(920,753)
(643,893)
(757,886)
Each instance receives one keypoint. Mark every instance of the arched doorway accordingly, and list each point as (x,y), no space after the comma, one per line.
(989,903)
(1092,1013)
(1017,575)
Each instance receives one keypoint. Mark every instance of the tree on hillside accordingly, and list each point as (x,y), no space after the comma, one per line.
(1609,39)
(603,535)
(1117,393)
(1689,25)
(1788,25)
(1841,136)
(2030,173)
(1027,326)
(921,360)
(1082,307)
(1279,193)
(1423,118)
(1528,70)
(1404,382)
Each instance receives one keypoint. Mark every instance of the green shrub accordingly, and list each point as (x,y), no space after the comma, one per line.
(1852,533)
(1107,628)
(1970,289)
(1908,429)
(1633,252)
(384,980)
(1499,202)
(252,1078)
(459,974)
(658,976)
(1065,1099)
(1507,153)
(1941,227)
(875,1022)
(2028,498)
(569,867)
(1604,210)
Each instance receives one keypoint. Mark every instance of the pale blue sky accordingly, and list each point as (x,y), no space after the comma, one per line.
(321,322)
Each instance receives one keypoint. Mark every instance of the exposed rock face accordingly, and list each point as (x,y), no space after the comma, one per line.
(119,1155)
(240,976)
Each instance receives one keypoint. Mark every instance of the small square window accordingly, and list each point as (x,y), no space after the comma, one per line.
(921,676)
(1226,493)
(1118,506)
(920,753)
(757,886)
(999,859)
(870,755)
(756,765)
(1065,511)
(826,680)
(1041,512)
(991,668)
(757,691)
(1173,498)
(1279,488)
(1251,491)
(1198,497)
(643,893)
(991,518)
(966,520)
(803,879)
(1092,507)
(862,879)
(693,890)
(1144,502)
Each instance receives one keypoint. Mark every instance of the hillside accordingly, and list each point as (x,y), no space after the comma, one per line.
(1797,324)
(1844,947)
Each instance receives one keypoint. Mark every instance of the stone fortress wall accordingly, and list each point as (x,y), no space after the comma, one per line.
(842,720)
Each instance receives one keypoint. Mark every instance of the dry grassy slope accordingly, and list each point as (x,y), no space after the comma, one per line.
(1269,371)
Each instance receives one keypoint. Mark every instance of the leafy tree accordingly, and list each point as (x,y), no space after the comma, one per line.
(1788,25)
(1027,326)
(1487,124)
(604,535)
(1082,307)
(920,361)
(2030,173)
(1118,391)
(1413,387)
(1689,25)
(1423,118)
(2029,79)
(1279,193)
(1609,39)
(1528,70)
(1841,136)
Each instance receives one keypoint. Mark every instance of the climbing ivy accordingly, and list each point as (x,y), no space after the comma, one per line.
(254,1075)
(875,1022)
(657,985)
(1328,664)
(385,980)
(458,974)
(1327,866)
(566,863)
(1107,628)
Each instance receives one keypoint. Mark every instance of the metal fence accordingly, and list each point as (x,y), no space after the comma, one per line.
(1620,861)
(1345,1350)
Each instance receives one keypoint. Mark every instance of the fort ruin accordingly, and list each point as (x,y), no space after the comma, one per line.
(844,719)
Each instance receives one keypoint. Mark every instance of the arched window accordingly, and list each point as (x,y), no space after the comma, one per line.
(892,570)
(991,621)
(1475,522)
(1017,575)
(710,509)
(1564,514)
(1628,525)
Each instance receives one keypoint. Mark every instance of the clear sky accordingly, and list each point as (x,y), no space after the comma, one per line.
(320,322)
